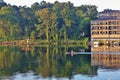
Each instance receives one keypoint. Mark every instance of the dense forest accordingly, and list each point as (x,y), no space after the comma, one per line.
(51,22)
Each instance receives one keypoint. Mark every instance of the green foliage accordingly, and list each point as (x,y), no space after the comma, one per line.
(33,33)
(47,21)
(47,25)
(9,25)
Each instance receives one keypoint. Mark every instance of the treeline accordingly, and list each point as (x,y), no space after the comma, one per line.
(51,22)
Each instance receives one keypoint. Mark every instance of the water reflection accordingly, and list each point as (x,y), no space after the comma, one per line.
(52,62)
(106,60)
(106,56)
(47,61)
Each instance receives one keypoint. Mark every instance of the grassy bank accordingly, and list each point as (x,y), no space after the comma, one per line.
(44,42)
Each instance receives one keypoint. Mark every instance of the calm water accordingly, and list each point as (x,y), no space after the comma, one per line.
(59,63)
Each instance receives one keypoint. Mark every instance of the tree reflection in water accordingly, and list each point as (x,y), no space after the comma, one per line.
(47,61)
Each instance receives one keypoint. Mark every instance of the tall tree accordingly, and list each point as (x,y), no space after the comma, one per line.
(47,26)
(28,20)
(9,22)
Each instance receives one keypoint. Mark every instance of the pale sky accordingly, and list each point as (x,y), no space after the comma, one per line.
(101,4)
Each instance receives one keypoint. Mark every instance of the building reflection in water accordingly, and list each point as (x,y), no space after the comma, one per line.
(106,57)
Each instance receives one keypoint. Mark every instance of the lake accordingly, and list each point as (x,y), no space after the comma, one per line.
(53,62)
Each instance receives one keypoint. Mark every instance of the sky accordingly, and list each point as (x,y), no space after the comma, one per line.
(101,4)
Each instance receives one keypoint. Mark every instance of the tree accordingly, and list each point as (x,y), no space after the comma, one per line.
(33,35)
(9,22)
(48,21)
(28,20)
(47,26)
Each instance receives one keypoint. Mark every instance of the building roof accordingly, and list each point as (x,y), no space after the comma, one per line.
(108,18)
(109,11)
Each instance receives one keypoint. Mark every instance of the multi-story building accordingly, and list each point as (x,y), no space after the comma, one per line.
(106,27)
